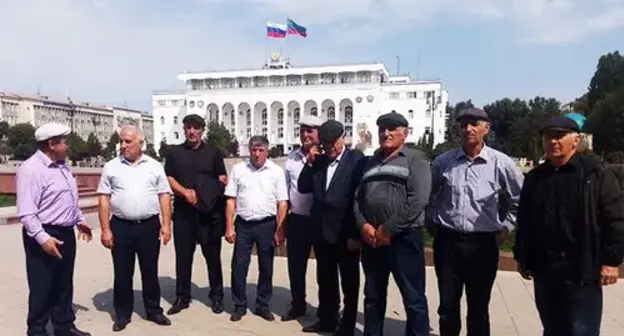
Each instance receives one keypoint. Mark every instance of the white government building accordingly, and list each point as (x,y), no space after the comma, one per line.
(271,100)
(87,118)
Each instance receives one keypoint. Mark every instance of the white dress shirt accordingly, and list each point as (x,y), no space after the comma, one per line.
(300,204)
(134,190)
(331,168)
(257,191)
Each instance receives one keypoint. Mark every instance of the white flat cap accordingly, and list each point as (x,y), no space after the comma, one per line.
(311,121)
(48,131)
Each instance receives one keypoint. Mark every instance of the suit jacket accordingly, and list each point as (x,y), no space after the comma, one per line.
(332,209)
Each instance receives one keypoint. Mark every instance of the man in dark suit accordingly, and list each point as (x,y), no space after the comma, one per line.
(332,178)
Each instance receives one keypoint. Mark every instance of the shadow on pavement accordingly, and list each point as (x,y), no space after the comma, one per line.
(103,302)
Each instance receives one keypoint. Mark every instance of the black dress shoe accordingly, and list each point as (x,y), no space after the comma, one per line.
(238,314)
(266,314)
(341,332)
(73,331)
(178,306)
(159,319)
(120,325)
(217,307)
(319,328)
(293,314)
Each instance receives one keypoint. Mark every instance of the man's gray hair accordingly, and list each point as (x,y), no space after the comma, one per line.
(133,129)
(258,140)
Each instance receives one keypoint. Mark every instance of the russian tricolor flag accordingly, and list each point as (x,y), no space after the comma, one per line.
(276,30)
(296,29)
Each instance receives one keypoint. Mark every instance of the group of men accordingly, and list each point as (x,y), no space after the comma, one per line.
(568,216)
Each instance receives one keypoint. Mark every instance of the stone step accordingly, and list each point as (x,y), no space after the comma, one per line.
(8,215)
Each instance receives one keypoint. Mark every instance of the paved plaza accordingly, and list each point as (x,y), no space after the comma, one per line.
(512,309)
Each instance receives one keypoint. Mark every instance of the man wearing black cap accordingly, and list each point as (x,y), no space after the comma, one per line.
(474,198)
(389,212)
(570,237)
(197,175)
(332,179)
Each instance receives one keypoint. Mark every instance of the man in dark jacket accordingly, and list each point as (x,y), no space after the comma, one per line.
(332,179)
(570,237)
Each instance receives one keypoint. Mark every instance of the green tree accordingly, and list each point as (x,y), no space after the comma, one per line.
(110,150)
(442,148)
(607,123)
(77,148)
(4,129)
(93,146)
(150,151)
(21,139)
(608,77)
(219,136)
(162,151)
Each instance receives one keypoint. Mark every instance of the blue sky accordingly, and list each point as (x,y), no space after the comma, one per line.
(119,51)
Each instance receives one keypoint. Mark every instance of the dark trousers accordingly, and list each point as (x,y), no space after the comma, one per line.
(50,282)
(567,306)
(331,258)
(134,239)
(190,229)
(261,233)
(405,259)
(299,238)
(470,260)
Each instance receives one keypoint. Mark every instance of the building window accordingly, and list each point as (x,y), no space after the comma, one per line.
(349,131)
(175,120)
(265,131)
(412,95)
(314,112)
(161,103)
(394,95)
(176,135)
(280,133)
(162,120)
(427,130)
(410,114)
(428,114)
(296,132)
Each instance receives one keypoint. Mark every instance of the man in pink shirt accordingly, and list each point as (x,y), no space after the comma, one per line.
(47,205)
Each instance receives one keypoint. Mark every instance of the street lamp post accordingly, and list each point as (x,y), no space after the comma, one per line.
(72,113)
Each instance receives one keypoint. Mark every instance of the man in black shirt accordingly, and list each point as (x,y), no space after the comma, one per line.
(197,175)
(570,233)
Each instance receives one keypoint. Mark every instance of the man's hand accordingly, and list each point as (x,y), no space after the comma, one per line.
(165,235)
(312,154)
(381,236)
(368,234)
(353,245)
(609,275)
(230,235)
(502,236)
(51,247)
(527,275)
(106,238)
(190,196)
(279,237)
(84,232)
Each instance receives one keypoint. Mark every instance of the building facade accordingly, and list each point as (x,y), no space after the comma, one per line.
(271,100)
(83,118)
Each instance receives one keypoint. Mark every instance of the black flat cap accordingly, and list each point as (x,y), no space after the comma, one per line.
(560,123)
(330,131)
(392,120)
(473,113)
(195,120)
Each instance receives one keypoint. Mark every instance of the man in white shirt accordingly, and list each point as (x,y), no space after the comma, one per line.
(258,197)
(134,190)
(300,232)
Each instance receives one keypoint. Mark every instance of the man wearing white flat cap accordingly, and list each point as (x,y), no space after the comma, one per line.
(299,228)
(47,206)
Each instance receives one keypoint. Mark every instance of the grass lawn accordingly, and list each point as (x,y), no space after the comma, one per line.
(7,200)
(505,247)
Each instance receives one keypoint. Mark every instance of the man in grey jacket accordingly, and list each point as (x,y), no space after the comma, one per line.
(389,212)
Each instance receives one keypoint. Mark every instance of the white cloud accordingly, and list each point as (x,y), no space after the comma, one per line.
(115,50)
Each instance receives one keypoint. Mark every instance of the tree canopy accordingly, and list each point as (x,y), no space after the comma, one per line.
(219,136)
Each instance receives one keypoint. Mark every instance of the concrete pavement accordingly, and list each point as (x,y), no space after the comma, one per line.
(512,310)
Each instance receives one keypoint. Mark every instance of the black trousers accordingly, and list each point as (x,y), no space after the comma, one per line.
(50,282)
(470,260)
(132,239)
(191,228)
(261,233)
(405,259)
(566,305)
(299,238)
(330,259)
